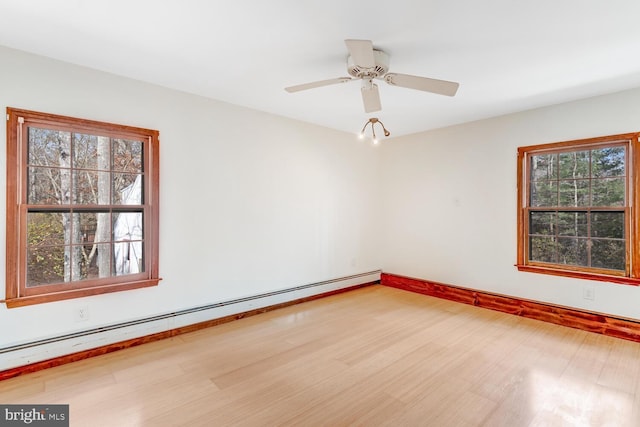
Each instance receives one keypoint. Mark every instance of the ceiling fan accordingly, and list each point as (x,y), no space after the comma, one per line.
(366,63)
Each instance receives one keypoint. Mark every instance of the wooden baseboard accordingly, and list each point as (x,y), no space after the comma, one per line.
(588,321)
(109,348)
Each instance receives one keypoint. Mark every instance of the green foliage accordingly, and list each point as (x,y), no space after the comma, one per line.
(592,180)
(45,258)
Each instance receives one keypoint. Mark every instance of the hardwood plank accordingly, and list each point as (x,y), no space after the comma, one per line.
(94,352)
(621,369)
(372,356)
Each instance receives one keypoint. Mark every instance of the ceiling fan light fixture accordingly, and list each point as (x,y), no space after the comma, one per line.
(372,122)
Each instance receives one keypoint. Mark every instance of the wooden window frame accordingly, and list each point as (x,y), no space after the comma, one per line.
(632,216)
(17,293)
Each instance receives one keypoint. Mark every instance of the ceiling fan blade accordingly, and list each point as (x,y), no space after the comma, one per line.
(320,83)
(441,87)
(361,52)
(371,98)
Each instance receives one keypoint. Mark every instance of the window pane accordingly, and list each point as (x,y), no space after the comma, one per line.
(95,262)
(608,254)
(572,251)
(45,228)
(574,164)
(542,249)
(574,192)
(608,192)
(128,257)
(607,224)
(127,226)
(85,151)
(127,189)
(45,186)
(608,162)
(542,223)
(94,227)
(572,224)
(48,147)
(544,193)
(45,265)
(128,249)
(544,167)
(92,188)
(127,156)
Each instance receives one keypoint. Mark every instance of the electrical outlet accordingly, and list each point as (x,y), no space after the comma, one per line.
(82,314)
(589,292)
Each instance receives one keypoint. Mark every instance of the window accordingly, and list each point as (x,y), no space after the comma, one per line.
(82,207)
(576,209)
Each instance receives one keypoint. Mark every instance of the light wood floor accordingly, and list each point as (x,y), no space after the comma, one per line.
(375,356)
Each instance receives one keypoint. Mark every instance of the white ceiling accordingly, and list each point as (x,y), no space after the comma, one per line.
(507,55)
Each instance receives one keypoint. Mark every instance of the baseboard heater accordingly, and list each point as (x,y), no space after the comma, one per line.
(344,282)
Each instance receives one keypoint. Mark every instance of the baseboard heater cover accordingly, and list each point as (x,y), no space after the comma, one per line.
(22,354)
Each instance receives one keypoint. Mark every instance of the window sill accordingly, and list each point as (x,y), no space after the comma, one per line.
(622,280)
(78,293)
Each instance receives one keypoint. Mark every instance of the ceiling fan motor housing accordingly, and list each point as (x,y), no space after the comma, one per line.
(377,71)
(365,63)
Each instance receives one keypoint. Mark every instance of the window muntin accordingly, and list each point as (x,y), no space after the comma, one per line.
(575,208)
(86,214)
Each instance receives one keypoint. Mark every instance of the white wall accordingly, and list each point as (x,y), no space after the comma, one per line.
(449,202)
(250,202)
